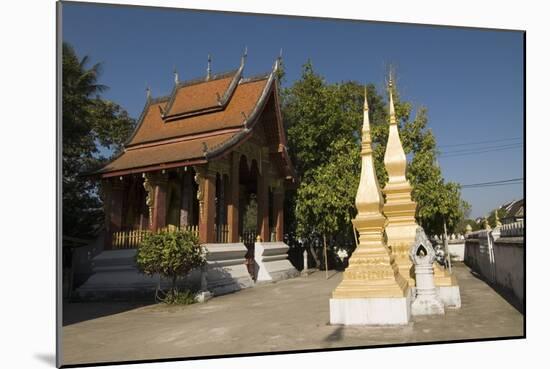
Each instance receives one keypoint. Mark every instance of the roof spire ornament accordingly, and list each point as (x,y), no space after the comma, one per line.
(243,57)
(176,76)
(209,68)
(148,93)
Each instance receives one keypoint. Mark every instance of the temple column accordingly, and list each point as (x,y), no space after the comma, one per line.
(206,195)
(233,200)
(156,184)
(399,207)
(278,209)
(263,208)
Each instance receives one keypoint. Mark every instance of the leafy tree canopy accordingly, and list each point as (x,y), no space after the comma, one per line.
(90,123)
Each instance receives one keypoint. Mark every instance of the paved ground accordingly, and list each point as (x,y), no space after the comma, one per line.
(287,315)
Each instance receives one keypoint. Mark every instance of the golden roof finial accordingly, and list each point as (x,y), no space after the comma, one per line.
(393,120)
(366,104)
(395,159)
(366,119)
(369,198)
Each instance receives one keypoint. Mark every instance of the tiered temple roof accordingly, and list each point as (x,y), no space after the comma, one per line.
(201,120)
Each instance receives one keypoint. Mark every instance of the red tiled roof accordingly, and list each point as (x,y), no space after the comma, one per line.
(199,96)
(199,121)
(154,128)
(165,153)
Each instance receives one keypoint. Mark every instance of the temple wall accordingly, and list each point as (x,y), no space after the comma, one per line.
(498,256)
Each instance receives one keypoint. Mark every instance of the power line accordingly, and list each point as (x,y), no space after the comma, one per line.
(494,183)
(451,155)
(482,142)
(482,148)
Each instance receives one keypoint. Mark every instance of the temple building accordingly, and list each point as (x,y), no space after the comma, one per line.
(196,159)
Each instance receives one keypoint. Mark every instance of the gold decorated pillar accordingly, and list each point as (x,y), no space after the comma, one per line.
(206,194)
(155,185)
(399,207)
(372,291)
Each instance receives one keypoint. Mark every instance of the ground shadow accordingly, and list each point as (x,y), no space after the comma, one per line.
(504,293)
(335,336)
(76,312)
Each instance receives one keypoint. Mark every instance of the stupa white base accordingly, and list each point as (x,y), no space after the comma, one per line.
(427,305)
(371,311)
(450,296)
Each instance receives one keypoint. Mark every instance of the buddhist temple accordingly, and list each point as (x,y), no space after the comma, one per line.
(197,157)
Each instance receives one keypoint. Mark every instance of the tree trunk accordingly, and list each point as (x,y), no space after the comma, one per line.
(446,245)
(174,277)
(315,256)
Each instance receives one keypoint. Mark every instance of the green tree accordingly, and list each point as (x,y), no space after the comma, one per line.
(323,123)
(325,199)
(171,254)
(91,125)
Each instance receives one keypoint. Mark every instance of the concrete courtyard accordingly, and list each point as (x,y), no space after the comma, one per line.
(288,315)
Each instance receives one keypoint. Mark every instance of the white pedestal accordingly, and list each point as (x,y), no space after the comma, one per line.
(226,269)
(450,296)
(427,305)
(271,262)
(371,311)
(116,277)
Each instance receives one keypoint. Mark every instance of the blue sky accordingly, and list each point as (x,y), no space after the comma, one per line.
(470,80)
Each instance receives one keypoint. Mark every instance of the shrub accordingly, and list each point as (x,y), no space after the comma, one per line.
(175,297)
(171,254)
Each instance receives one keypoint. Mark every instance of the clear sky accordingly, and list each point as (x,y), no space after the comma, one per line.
(470,80)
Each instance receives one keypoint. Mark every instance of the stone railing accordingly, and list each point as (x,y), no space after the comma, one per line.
(498,255)
(512,230)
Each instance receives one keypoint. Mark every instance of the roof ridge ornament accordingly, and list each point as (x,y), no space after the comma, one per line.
(148,93)
(243,57)
(176,76)
(276,65)
(209,68)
